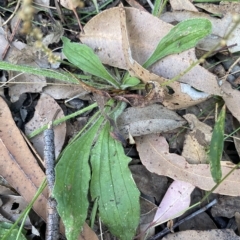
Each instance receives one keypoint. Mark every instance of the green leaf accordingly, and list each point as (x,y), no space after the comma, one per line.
(216,146)
(113,184)
(85,59)
(72,182)
(4,228)
(38,71)
(183,36)
(129,82)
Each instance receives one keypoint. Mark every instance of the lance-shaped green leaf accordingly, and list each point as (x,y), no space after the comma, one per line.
(183,36)
(72,182)
(84,58)
(38,71)
(113,184)
(216,146)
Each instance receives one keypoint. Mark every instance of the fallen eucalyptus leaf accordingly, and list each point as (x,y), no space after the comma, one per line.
(154,154)
(151,119)
(176,199)
(17,164)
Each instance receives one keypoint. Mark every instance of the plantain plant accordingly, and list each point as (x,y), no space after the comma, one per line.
(94,163)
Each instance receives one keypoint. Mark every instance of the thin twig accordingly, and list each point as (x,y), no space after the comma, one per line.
(52,232)
(11,38)
(13,14)
(167,230)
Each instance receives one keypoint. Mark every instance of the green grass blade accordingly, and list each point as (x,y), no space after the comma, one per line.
(38,71)
(158,7)
(72,182)
(216,146)
(4,228)
(112,183)
(183,36)
(84,58)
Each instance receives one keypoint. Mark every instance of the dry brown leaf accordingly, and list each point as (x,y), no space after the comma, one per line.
(221,8)
(63,91)
(154,153)
(71,4)
(44,112)
(220,234)
(135,4)
(236,138)
(151,119)
(134,68)
(196,140)
(24,82)
(182,5)
(184,96)
(176,199)
(20,168)
(231,97)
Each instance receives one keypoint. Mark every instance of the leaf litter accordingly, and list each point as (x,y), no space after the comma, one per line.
(131,31)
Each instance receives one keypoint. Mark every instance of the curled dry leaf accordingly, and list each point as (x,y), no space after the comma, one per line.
(44,112)
(155,156)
